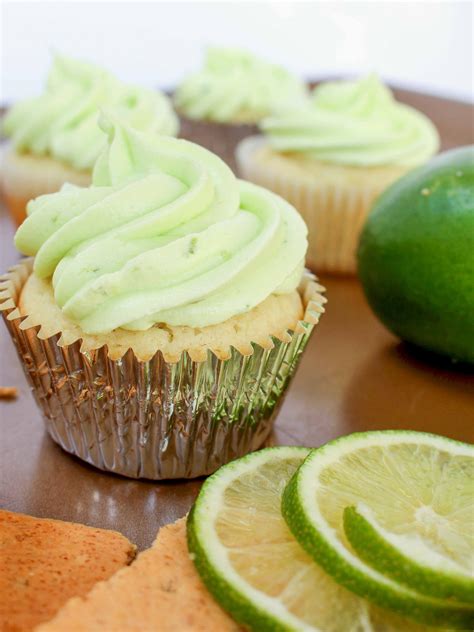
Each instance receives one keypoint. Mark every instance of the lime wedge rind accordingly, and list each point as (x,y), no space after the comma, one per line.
(366,582)
(319,540)
(376,550)
(247,605)
(226,591)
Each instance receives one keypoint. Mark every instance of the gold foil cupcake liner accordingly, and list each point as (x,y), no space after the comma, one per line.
(334,212)
(156,419)
(220,138)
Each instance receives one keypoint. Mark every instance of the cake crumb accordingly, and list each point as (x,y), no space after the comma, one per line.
(8,392)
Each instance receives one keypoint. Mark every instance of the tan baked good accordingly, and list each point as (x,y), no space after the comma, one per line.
(25,176)
(45,562)
(160,592)
(334,200)
(275,316)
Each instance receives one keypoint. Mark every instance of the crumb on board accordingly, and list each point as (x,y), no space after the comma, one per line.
(8,392)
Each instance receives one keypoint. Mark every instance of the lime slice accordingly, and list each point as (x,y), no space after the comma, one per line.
(253,566)
(433,556)
(397,474)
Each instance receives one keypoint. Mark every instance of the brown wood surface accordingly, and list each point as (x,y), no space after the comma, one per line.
(355,376)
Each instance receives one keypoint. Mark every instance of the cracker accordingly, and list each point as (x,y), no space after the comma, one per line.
(160,592)
(46,562)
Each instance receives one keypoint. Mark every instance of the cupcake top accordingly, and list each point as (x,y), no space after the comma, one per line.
(165,234)
(355,123)
(63,122)
(237,87)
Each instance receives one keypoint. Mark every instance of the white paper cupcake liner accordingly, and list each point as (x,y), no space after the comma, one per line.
(334,212)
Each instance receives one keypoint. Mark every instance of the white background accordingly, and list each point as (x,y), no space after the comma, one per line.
(420,45)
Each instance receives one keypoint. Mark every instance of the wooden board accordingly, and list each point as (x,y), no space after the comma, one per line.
(354,376)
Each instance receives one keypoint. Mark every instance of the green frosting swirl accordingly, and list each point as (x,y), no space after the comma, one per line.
(63,121)
(234,86)
(355,123)
(165,233)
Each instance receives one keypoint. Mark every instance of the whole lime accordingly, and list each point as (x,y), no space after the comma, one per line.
(416,256)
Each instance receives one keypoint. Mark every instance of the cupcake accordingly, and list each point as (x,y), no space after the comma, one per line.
(332,159)
(55,138)
(222,103)
(165,310)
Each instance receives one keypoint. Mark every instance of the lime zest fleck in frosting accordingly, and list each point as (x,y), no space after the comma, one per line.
(234,86)
(63,122)
(165,233)
(355,123)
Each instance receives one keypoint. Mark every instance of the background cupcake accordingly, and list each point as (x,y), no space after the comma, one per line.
(222,103)
(56,137)
(166,311)
(332,158)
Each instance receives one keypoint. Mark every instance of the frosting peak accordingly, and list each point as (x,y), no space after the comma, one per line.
(62,122)
(165,233)
(355,123)
(235,86)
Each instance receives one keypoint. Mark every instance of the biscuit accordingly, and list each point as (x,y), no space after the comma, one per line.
(160,592)
(46,562)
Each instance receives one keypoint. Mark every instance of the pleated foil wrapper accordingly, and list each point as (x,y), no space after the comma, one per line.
(220,138)
(156,419)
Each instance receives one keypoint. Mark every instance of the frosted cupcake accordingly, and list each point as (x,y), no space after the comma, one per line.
(223,102)
(334,157)
(165,311)
(56,137)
